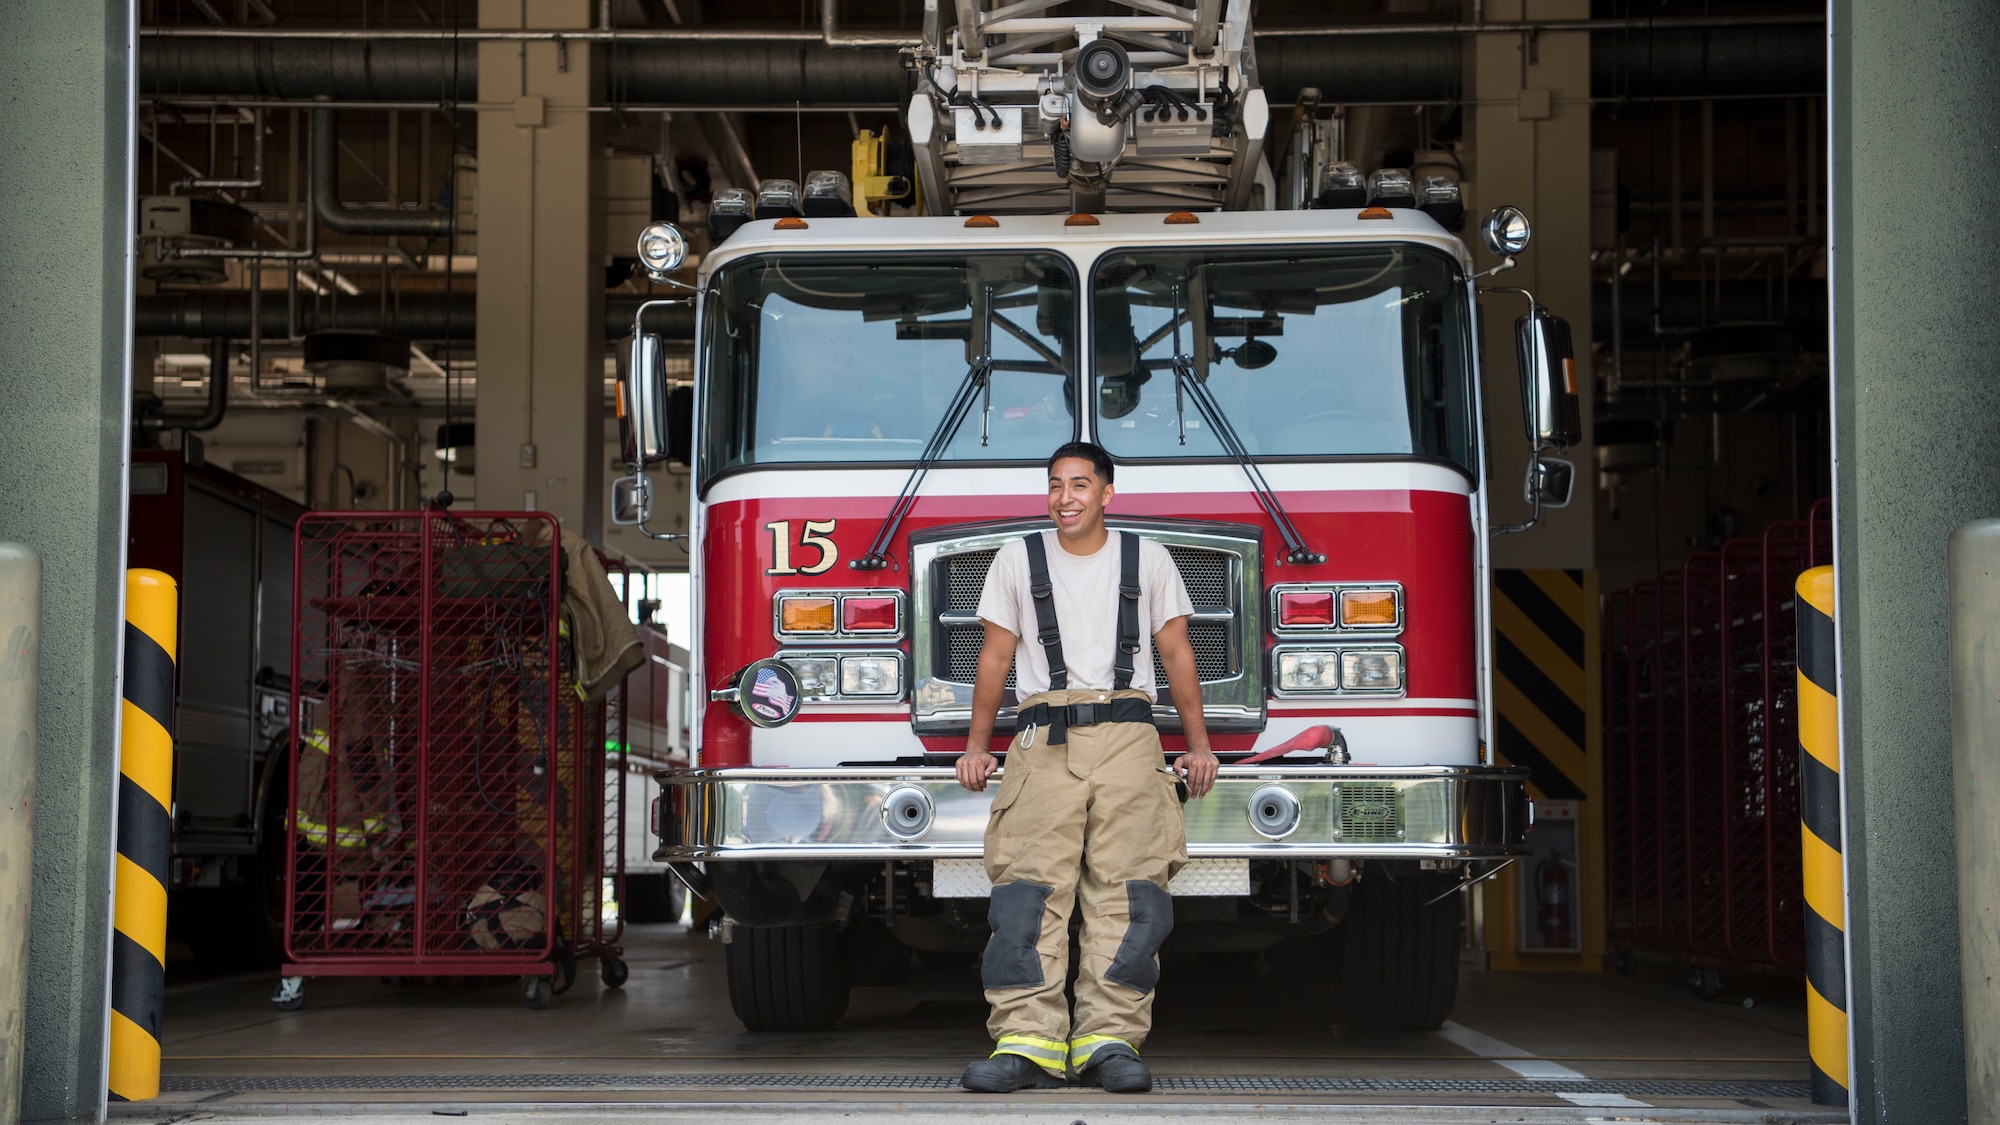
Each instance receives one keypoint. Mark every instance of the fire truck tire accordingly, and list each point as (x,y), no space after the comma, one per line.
(652,898)
(1399,953)
(787,978)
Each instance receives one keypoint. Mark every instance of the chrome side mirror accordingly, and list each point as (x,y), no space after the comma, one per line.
(1550,483)
(631,500)
(641,406)
(1548,380)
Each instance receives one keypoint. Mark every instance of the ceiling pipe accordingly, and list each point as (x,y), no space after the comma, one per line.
(336,215)
(1712,58)
(218,397)
(256,180)
(416,316)
(1689,306)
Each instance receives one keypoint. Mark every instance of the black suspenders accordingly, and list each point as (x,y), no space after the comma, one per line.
(1047,630)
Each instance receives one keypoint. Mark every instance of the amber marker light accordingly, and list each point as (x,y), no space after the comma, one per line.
(1080,221)
(1181,218)
(1367,609)
(1375,213)
(790,222)
(805,615)
(982,222)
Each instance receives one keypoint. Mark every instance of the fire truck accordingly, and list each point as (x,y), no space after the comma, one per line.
(1287,377)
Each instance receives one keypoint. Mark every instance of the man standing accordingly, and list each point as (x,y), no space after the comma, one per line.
(1087,815)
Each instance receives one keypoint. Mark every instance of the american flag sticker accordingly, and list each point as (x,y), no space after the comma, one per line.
(770,696)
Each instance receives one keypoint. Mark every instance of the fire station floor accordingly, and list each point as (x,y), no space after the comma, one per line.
(1230,1037)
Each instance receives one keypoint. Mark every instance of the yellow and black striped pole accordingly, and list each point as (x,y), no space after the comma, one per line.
(145,794)
(1819,812)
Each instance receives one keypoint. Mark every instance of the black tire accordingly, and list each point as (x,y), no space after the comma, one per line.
(1398,956)
(613,971)
(787,978)
(651,898)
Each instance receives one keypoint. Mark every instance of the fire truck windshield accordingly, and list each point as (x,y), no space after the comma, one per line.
(854,359)
(1337,351)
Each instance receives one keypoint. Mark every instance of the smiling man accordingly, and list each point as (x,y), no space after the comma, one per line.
(1088,816)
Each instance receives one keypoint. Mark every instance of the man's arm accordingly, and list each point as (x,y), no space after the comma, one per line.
(1198,765)
(996,655)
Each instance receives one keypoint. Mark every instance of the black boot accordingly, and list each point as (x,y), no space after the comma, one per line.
(1118,1070)
(1004,1074)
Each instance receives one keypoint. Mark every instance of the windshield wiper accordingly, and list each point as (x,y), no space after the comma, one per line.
(1187,385)
(977,384)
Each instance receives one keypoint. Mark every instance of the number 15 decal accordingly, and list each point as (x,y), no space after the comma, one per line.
(815,534)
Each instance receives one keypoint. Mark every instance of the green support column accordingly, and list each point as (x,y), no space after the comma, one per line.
(1916,211)
(65,220)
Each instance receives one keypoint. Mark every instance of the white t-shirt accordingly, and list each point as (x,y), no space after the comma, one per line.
(1086,599)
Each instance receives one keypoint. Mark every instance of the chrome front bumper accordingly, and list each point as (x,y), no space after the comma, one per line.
(1357,812)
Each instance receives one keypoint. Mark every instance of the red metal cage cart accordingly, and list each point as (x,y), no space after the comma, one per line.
(446,778)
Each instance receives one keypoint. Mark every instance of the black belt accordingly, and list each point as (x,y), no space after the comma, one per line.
(1057,720)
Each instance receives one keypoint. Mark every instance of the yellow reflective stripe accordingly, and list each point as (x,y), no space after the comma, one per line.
(315,832)
(1045,1053)
(317,740)
(1084,1046)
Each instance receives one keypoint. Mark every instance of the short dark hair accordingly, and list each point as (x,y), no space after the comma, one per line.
(1087,451)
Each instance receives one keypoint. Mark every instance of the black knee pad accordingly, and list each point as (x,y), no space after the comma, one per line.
(1137,965)
(1015,915)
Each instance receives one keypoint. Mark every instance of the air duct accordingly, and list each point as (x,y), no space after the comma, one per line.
(415,316)
(336,215)
(1717,61)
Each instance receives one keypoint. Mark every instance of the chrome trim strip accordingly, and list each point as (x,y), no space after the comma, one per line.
(1444,812)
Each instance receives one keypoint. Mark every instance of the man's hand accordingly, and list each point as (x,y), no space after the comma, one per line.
(1196,767)
(975,766)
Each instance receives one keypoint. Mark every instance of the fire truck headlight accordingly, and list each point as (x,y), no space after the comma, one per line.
(1371,670)
(871,675)
(818,675)
(1306,670)
(662,248)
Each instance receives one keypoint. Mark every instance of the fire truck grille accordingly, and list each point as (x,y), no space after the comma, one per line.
(1207,578)
(1208,575)
(964,578)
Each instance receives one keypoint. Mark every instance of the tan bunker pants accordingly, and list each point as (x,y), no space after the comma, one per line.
(1095,824)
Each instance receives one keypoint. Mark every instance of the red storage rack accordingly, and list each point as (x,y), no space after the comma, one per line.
(1701,753)
(445,777)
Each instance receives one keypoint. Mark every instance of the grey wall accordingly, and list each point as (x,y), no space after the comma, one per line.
(1917,444)
(64,213)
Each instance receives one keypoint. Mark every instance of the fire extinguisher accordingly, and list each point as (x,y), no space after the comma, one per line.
(1553,880)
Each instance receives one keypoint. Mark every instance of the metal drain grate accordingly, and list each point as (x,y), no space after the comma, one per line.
(204,1083)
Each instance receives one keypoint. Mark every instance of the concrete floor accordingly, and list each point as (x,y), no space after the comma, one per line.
(1229,1035)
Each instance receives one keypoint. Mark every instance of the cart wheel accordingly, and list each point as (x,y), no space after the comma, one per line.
(1625,961)
(564,963)
(536,992)
(1706,981)
(290,994)
(613,970)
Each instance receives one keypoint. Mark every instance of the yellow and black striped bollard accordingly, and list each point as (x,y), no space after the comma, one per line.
(145,794)
(1819,812)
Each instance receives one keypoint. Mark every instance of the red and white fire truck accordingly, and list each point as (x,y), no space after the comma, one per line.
(1292,397)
